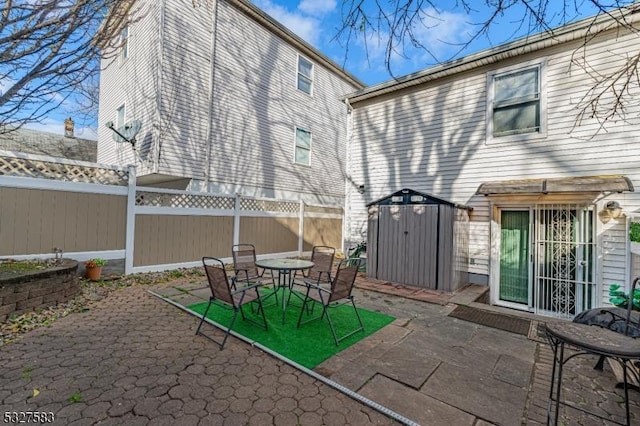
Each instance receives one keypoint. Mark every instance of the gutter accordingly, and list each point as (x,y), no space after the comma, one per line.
(528,44)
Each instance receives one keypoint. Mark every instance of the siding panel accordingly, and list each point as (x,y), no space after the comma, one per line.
(432,139)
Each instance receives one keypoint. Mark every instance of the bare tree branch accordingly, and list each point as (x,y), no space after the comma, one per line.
(48,48)
(402,25)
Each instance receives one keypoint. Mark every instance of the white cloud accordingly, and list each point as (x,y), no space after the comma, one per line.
(442,34)
(306,27)
(317,7)
(5,84)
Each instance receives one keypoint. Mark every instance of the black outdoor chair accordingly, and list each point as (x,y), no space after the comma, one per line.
(246,270)
(322,258)
(337,295)
(224,294)
(320,272)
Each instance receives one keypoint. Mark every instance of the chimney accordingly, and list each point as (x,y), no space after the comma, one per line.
(68,128)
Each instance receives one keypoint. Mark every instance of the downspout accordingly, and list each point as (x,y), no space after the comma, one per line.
(347,193)
(212,76)
(158,120)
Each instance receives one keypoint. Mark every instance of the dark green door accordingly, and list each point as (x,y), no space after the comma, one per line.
(514,256)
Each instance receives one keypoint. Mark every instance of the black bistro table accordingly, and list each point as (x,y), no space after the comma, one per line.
(285,267)
(587,339)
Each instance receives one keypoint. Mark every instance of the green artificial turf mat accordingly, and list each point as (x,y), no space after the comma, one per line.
(309,345)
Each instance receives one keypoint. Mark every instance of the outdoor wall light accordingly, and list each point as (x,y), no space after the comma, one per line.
(614,209)
(361,189)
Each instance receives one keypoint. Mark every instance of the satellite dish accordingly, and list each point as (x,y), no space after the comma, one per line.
(127,132)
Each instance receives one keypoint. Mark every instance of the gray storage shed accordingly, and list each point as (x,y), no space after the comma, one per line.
(420,240)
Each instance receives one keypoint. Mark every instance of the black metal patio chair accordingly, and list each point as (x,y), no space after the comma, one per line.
(322,258)
(224,294)
(337,295)
(246,270)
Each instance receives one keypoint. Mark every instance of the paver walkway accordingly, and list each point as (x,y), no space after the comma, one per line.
(133,359)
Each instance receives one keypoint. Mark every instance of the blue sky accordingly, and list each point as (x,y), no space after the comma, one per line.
(447,28)
(318,21)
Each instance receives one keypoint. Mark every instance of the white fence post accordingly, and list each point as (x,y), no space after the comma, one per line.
(131,222)
(236,220)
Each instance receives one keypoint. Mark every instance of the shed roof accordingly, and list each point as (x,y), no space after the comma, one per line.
(410,196)
(570,184)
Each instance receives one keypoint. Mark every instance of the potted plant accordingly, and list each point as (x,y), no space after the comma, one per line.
(94,268)
(634,236)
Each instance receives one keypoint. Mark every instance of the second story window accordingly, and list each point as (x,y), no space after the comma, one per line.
(124,43)
(303,147)
(516,102)
(305,75)
(120,116)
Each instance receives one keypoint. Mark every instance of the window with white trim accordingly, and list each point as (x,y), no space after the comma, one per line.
(302,153)
(120,116)
(515,103)
(305,75)
(124,43)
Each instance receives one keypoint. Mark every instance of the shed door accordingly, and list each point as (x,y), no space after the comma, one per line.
(408,244)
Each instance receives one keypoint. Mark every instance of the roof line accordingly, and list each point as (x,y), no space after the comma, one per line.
(530,43)
(278,29)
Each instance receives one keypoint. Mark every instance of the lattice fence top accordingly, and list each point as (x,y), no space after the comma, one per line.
(193,201)
(269,206)
(24,167)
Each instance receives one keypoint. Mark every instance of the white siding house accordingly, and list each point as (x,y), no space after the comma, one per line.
(229,101)
(498,131)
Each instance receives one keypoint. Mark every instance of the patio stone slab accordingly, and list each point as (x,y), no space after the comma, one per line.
(351,375)
(494,340)
(414,405)
(203,293)
(469,294)
(479,394)
(513,370)
(427,345)
(404,365)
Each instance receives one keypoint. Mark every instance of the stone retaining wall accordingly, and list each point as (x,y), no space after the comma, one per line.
(36,290)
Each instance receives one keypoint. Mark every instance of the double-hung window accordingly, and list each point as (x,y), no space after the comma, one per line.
(515,103)
(124,43)
(302,153)
(120,117)
(305,75)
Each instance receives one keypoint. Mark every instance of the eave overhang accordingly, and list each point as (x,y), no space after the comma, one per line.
(557,185)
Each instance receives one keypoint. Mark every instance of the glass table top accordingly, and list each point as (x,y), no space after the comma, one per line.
(284,264)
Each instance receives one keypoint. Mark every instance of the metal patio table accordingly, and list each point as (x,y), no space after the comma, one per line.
(587,339)
(285,267)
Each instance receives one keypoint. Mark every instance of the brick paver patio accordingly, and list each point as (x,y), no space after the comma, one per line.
(133,359)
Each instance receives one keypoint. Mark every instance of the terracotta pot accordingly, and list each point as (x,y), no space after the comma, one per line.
(93,273)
